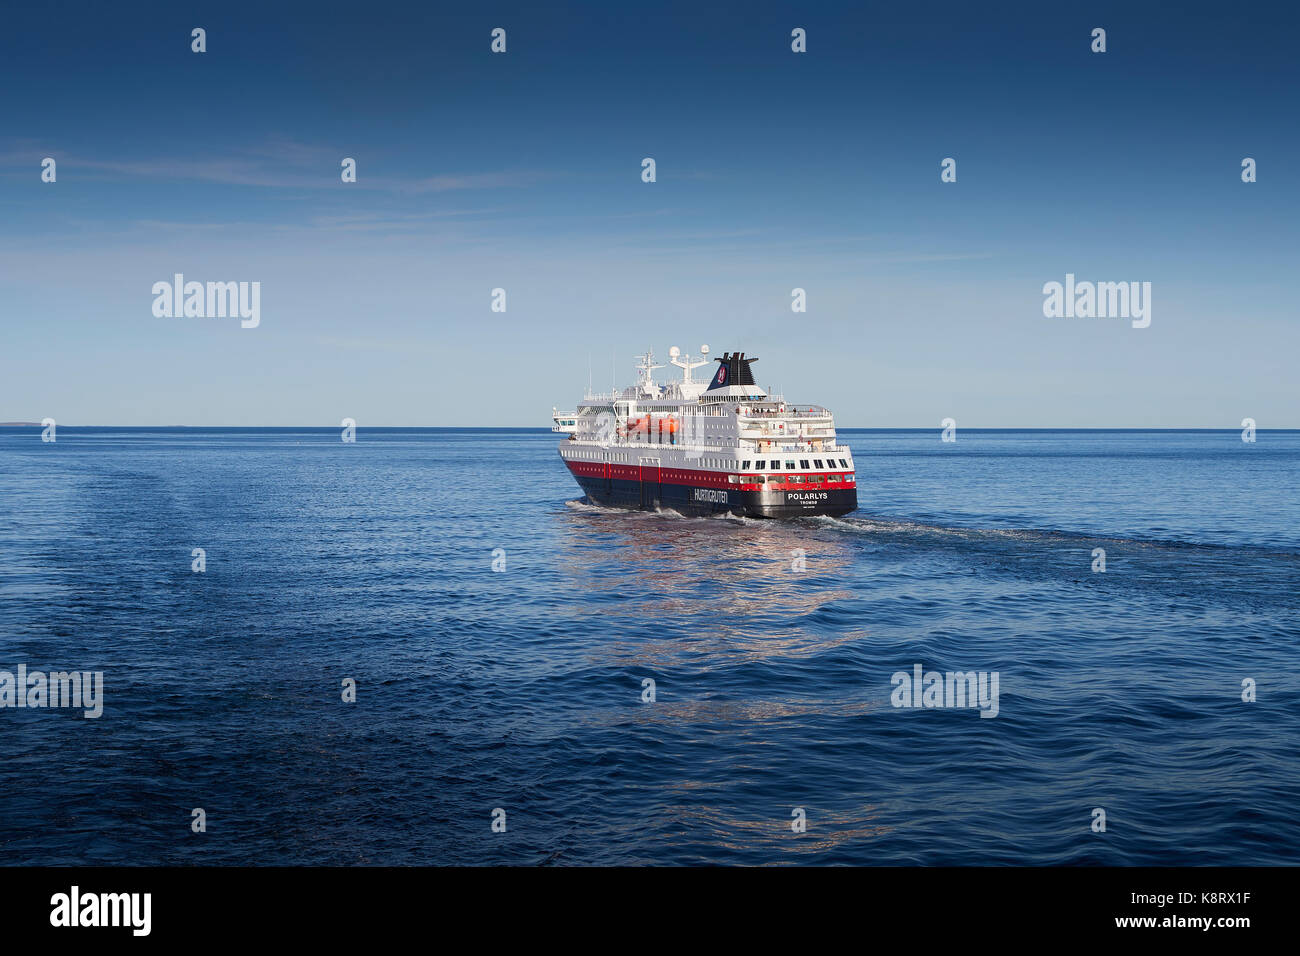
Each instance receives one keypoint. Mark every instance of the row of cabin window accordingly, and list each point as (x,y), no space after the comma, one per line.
(776,463)
(786,479)
(590,457)
(761,465)
(789,465)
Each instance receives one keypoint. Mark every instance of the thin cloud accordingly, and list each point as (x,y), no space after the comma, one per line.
(501,180)
(280,164)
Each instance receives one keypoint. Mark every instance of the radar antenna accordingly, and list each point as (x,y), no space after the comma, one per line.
(687,365)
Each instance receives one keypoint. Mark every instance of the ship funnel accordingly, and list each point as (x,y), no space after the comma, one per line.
(733,370)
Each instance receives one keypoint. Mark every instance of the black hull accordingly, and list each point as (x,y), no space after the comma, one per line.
(688,500)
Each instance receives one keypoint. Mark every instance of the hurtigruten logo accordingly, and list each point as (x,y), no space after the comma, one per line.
(210,300)
(1098,300)
(953,689)
(36,689)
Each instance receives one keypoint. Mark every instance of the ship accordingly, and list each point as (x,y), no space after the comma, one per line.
(706,448)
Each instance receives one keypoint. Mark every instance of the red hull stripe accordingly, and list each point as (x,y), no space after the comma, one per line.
(695,479)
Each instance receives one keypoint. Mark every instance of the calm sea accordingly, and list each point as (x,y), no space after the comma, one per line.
(521,689)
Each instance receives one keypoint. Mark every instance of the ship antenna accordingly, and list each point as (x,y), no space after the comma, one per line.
(645,366)
(674,354)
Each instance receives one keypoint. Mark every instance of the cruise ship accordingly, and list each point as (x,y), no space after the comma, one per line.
(701,448)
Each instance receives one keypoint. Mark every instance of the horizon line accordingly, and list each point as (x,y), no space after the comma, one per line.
(545,429)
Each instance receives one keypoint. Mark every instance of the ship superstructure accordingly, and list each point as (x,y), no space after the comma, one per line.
(564,422)
(705,447)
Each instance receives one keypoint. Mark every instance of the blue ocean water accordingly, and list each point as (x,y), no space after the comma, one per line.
(521,689)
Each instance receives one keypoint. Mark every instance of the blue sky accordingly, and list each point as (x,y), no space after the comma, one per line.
(522,171)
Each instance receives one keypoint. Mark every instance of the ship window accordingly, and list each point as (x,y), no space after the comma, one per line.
(760,465)
(803,463)
(843,463)
(756,479)
(745,466)
(817,463)
(789,466)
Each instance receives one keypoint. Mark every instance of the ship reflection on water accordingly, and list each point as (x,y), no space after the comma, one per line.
(724,607)
(828,831)
(752,581)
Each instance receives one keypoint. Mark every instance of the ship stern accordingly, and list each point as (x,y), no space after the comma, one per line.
(833,502)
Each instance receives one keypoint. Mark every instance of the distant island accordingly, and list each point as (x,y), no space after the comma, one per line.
(20,424)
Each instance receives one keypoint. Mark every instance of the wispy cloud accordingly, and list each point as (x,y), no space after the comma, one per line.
(280,164)
(386,222)
(500,180)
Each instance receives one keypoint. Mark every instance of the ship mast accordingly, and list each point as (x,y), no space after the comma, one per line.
(687,365)
(645,367)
